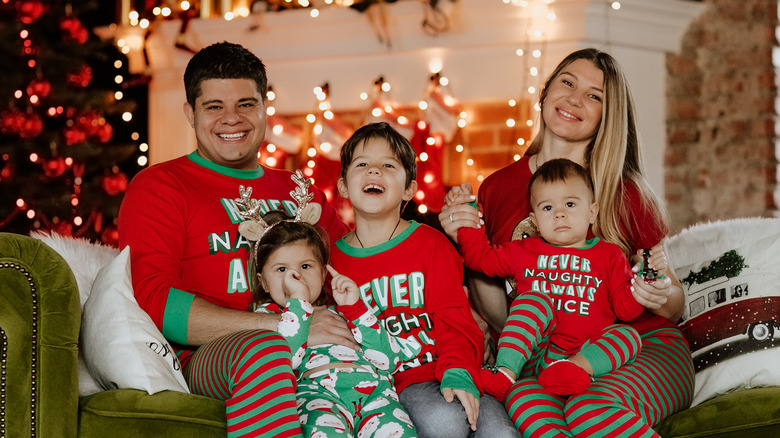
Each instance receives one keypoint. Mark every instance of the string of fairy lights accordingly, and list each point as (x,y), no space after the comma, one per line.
(538,17)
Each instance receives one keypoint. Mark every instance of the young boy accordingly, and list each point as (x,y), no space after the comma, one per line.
(410,276)
(561,327)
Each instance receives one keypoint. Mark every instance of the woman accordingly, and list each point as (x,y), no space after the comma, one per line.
(588,117)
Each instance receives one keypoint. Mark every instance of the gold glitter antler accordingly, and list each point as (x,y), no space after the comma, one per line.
(251,207)
(301,194)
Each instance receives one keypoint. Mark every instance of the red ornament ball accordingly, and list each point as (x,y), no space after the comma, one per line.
(104,133)
(54,168)
(115,183)
(74,135)
(29,11)
(110,236)
(39,87)
(82,78)
(32,126)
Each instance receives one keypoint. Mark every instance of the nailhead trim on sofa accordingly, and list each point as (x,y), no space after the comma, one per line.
(33,357)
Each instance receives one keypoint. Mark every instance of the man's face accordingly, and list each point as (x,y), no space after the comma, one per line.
(229,122)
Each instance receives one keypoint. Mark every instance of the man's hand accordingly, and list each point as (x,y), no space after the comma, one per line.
(469,402)
(328,328)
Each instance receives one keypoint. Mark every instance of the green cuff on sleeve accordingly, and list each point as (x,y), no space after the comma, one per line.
(176,316)
(459,378)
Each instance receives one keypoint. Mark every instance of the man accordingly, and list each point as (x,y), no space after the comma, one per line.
(188,260)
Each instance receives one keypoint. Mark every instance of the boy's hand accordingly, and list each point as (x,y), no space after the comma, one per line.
(345,291)
(469,402)
(293,287)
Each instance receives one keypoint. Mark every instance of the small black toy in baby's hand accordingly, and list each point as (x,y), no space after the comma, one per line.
(647,273)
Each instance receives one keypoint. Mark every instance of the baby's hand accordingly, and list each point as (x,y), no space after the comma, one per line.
(293,286)
(656,260)
(345,291)
(461,194)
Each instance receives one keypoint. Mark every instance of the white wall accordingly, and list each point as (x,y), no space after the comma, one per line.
(477,54)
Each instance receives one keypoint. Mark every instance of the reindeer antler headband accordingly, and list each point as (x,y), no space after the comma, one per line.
(254,227)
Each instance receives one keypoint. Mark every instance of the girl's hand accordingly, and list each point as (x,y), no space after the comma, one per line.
(345,291)
(293,286)
(469,402)
(456,213)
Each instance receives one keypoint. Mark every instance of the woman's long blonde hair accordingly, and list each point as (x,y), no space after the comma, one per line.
(613,156)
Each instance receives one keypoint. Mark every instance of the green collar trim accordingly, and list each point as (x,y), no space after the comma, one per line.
(350,250)
(590,243)
(227,171)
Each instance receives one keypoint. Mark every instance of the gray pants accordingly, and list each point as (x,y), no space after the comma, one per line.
(435,418)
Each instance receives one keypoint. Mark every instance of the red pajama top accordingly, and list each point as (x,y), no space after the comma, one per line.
(414,285)
(181,222)
(590,286)
(503,199)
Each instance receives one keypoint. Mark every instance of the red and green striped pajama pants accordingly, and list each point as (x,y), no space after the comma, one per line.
(623,403)
(251,370)
(525,348)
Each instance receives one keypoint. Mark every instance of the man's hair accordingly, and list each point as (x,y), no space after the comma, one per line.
(223,61)
(559,170)
(400,146)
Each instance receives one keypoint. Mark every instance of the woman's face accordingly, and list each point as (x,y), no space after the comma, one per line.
(572,108)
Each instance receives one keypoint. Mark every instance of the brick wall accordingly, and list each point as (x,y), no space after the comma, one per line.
(721,91)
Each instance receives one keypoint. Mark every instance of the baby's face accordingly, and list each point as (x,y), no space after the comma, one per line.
(563,211)
(293,271)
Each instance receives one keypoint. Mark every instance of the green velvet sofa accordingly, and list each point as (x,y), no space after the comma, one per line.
(39,329)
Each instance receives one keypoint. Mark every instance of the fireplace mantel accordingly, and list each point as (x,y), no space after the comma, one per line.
(477,54)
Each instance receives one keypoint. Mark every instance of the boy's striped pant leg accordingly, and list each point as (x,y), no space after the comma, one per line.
(251,370)
(637,396)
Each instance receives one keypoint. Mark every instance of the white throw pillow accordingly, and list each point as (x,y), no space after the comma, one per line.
(85,260)
(730,273)
(122,346)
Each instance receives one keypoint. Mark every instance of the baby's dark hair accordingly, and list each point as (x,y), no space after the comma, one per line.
(559,169)
(223,61)
(400,146)
(284,232)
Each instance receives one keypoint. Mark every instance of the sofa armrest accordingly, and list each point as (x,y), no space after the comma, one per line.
(40,318)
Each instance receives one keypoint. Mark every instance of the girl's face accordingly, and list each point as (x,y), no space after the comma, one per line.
(375,179)
(293,271)
(572,108)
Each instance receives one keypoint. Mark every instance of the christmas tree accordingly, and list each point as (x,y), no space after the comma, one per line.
(69,130)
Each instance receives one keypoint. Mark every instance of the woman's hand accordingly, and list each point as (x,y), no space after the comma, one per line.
(469,402)
(456,212)
(345,291)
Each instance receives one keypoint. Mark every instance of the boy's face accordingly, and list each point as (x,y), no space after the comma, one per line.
(292,271)
(229,122)
(375,179)
(563,211)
